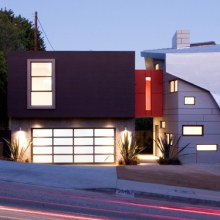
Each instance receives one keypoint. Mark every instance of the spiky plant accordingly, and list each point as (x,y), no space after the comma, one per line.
(17,152)
(169,147)
(129,149)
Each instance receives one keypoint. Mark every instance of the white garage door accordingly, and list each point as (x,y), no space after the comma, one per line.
(73,145)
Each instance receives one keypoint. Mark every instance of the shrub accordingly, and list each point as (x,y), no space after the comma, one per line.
(16,151)
(129,149)
(169,149)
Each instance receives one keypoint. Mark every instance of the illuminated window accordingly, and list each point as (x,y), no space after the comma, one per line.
(174,86)
(192,130)
(41,84)
(162,124)
(148,93)
(189,100)
(206,147)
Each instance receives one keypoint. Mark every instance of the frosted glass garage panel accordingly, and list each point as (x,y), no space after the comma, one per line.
(104,141)
(83,159)
(63,132)
(63,141)
(83,141)
(63,150)
(83,150)
(42,150)
(42,159)
(104,132)
(63,159)
(104,150)
(42,141)
(42,132)
(83,132)
(104,158)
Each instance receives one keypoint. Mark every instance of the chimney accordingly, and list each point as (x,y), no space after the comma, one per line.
(181,39)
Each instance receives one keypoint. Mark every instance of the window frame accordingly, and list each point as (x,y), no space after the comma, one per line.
(202,126)
(29,89)
(202,150)
(194,100)
(173,86)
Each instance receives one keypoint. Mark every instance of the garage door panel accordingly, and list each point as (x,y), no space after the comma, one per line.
(63,150)
(63,159)
(42,159)
(83,158)
(73,145)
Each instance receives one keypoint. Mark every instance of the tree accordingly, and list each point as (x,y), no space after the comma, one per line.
(16,34)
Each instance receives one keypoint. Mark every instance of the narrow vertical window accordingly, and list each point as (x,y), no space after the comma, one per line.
(174,86)
(148,93)
(41,84)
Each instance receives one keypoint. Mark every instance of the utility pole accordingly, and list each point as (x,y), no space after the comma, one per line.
(35,32)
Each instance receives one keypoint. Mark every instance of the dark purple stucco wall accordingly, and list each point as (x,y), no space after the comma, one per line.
(88,85)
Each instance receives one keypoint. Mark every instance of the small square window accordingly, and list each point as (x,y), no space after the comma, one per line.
(189,100)
(174,86)
(192,130)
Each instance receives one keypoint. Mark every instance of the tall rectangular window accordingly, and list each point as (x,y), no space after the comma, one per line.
(192,130)
(41,83)
(174,86)
(148,93)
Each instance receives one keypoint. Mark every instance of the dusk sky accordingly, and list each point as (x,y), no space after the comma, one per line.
(131,25)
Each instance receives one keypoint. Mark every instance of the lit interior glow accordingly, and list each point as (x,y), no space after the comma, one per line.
(192,130)
(189,100)
(41,98)
(63,141)
(63,150)
(63,159)
(104,158)
(63,132)
(41,69)
(148,93)
(104,132)
(104,150)
(83,158)
(206,147)
(42,158)
(83,141)
(41,83)
(104,141)
(42,150)
(163,124)
(42,141)
(174,86)
(42,132)
(83,132)
(83,150)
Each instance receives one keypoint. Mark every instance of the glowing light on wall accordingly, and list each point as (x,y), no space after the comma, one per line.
(148,93)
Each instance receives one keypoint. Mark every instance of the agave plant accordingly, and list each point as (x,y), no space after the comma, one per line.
(129,149)
(17,152)
(169,148)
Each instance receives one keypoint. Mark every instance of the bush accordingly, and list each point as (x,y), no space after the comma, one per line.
(170,150)
(128,149)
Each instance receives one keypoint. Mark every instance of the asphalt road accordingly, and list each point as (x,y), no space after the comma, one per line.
(24,202)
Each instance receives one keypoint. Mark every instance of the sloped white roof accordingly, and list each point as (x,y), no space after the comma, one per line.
(201,69)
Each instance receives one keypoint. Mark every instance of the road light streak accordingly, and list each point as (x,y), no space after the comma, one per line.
(27,211)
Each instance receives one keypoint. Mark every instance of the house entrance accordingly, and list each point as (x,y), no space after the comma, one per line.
(144,134)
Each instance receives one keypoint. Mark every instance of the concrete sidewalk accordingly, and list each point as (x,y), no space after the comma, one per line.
(152,180)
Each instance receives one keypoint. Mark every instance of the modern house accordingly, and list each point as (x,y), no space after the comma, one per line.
(72,105)
(191,96)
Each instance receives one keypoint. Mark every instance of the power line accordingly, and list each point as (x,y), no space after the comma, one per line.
(45,34)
